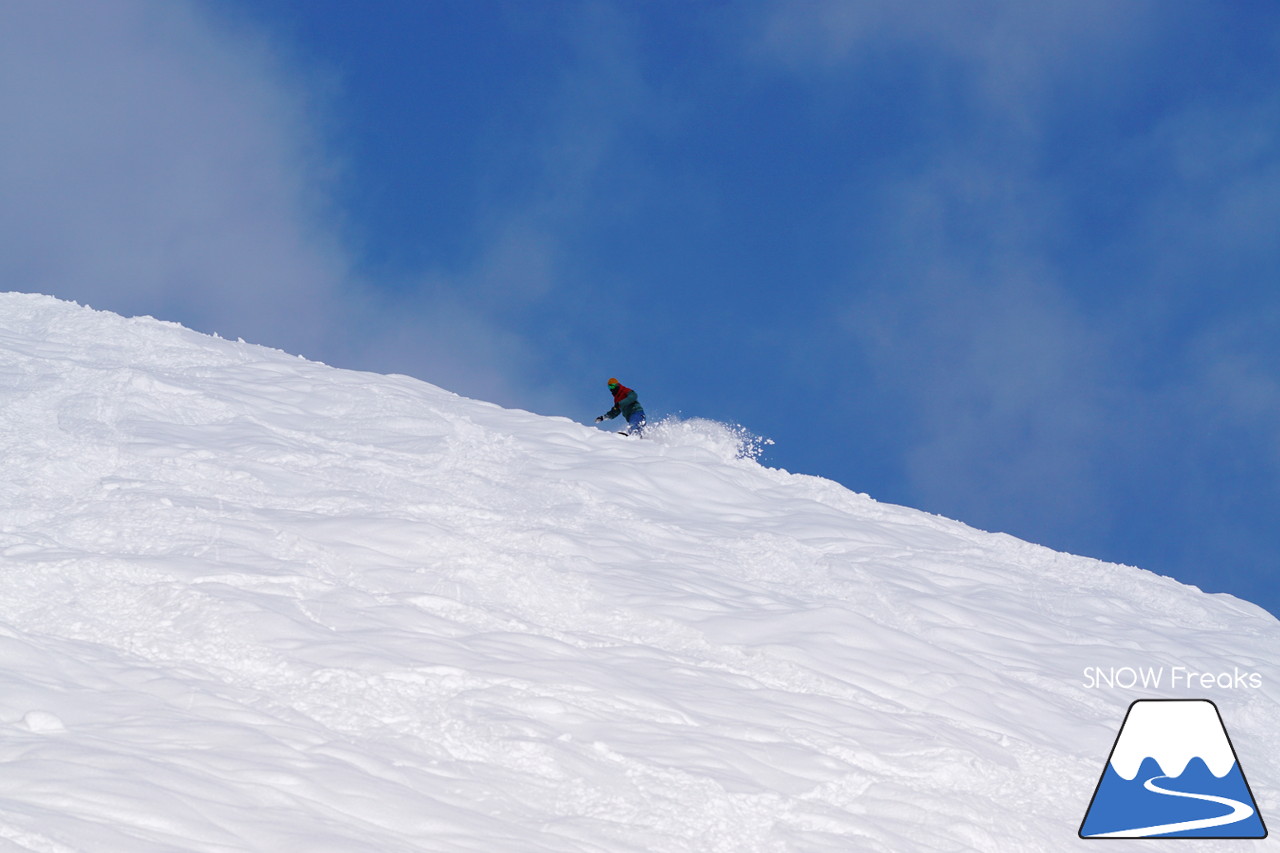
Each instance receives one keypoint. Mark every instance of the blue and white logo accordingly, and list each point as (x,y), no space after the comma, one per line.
(1173,773)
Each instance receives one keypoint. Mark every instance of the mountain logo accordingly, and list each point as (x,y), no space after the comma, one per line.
(1173,773)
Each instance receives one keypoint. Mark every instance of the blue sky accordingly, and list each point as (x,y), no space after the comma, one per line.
(1016,264)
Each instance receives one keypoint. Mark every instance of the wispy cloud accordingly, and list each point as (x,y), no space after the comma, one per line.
(1007,56)
(999,379)
(156,162)
(1047,313)
(160,157)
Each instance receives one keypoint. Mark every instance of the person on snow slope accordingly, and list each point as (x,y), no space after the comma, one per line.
(625,403)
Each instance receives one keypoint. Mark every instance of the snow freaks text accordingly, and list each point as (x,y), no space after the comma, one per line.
(1172,678)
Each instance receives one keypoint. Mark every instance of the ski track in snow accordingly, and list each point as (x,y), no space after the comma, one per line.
(254,603)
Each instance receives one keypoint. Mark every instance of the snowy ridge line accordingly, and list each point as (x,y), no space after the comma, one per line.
(251,602)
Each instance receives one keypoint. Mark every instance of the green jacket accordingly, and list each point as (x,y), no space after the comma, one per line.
(625,403)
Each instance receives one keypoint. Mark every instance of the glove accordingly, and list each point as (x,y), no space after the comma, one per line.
(600,418)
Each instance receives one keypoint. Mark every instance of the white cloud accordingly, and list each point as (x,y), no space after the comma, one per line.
(159,157)
(155,162)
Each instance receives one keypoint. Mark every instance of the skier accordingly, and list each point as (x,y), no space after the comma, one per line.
(625,403)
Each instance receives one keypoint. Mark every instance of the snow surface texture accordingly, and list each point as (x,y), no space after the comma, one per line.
(254,603)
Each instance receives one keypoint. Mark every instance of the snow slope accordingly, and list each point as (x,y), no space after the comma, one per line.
(254,603)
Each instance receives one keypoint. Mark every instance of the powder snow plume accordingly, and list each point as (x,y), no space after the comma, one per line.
(724,441)
(253,603)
